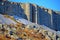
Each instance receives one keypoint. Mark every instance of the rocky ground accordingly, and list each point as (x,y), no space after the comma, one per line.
(19,31)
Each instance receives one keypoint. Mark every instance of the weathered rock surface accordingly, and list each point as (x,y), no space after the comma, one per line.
(20,31)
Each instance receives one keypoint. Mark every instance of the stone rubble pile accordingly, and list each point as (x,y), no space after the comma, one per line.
(58,35)
(20,31)
(24,32)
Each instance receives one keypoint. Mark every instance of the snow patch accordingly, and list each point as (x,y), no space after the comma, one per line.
(26,22)
(7,21)
(21,20)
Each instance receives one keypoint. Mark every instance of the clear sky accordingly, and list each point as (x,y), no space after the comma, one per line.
(51,4)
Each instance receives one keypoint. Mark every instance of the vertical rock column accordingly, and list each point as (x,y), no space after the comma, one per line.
(27,11)
(50,12)
(36,14)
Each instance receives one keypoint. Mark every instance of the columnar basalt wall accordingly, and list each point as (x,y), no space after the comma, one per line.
(31,12)
(56,21)
(12,8)
(45,17)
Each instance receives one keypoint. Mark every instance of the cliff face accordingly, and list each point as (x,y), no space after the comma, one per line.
(32,12)
(56,20)
(12,9)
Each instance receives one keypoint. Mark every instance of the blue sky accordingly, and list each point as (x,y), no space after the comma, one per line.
(51,4)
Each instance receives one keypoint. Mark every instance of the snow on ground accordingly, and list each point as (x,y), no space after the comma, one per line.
(4,20)
(20,19)
(26,22)
(46,28)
